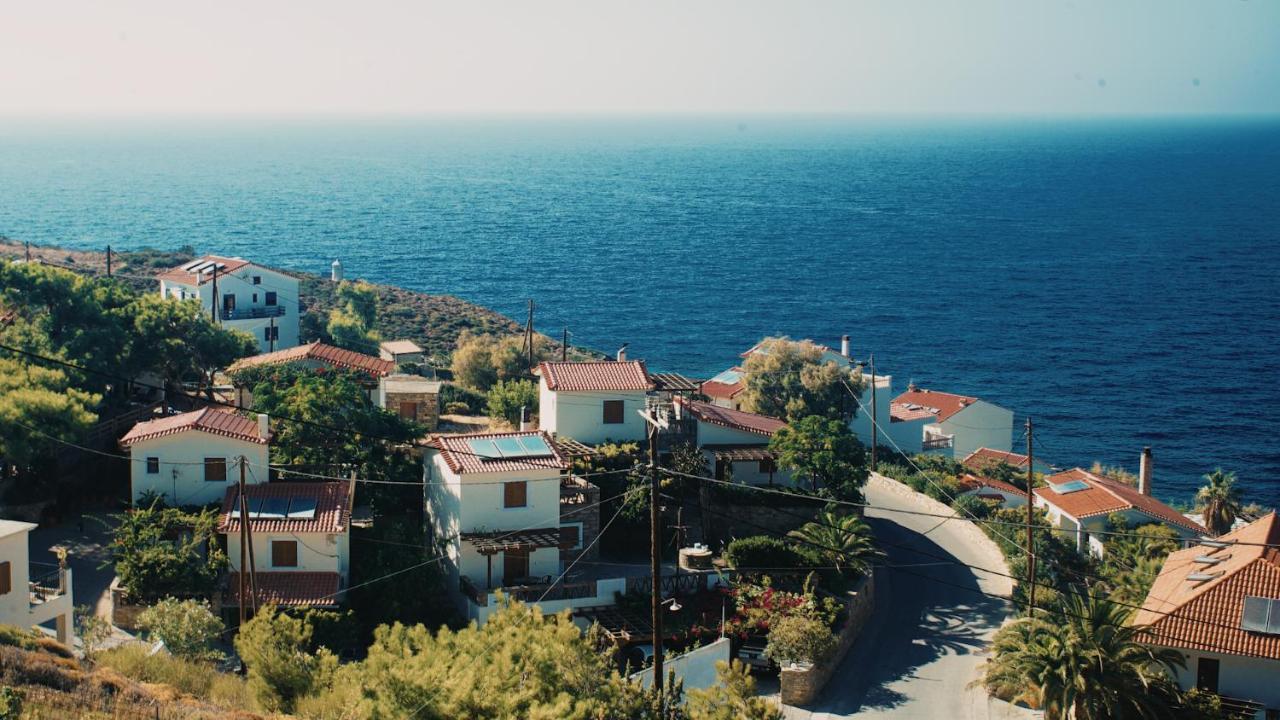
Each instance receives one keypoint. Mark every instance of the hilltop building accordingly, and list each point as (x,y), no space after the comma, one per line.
(594,402)
(1218,603)
(241,296)
(190,458)
(316,355)
(949,424)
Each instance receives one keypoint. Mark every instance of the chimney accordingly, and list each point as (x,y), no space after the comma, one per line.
(1144,472)
(525,425)
(844,345)
(335,271)
(622,352)
(264,425)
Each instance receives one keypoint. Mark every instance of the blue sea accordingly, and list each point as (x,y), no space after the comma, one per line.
(1116,280)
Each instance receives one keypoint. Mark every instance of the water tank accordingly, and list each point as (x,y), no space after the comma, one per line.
(335,273)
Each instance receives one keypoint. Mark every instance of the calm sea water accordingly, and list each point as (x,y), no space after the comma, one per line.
(1119,281)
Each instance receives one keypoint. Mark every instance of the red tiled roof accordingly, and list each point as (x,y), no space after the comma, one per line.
(595,375)
(943,405)
(460,458)
(179,275)
(727,391)
(969,481)
(333,507)
(329,355)
(902,413)
(983,458)
(1206,615)
(214,422)
(733,419)
(319,589)
(1105,496)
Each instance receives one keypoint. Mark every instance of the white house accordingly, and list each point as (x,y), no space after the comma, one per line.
(1218,603)
(248,297)
(301,542)
(192,458)
(735,442)
(955,425)
(26,601)
(985,488)
(1078,503)
(315,356)
(498,505)
(593,402)
(984,459)
(725,389)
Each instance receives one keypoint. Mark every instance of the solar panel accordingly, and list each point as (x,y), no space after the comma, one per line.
(274,508)
(235,506)
(535,446)
(1254,616)
(510,447)
(191,265)
(1070,487)
(484,448)
(255,507)
(302,508)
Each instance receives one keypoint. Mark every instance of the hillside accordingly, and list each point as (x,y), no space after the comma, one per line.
(432,321)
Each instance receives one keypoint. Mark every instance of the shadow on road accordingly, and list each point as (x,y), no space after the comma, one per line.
(927,609)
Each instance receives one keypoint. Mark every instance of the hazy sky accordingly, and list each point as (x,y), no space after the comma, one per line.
(850,56)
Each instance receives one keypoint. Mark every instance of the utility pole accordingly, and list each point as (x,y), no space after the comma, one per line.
(26,246)
(528,335)
(213,306)
(875,417)
(244,536)
(655,559)
(108,261)
(271,335)
(1031,548)
(564,346)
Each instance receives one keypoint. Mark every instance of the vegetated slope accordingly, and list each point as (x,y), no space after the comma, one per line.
(432,321)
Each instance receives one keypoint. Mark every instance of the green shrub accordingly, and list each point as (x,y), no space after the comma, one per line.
(508,398)
(454,395)
(274,646)
(797,638)
(971,506)
(187,627)
(457,408)
(764,553)
(10,703)
(17,637)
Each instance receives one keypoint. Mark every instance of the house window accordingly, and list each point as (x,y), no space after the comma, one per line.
(255,297)
(215,469)
(153,466)
(515,494)
(270,333)
(571,536)
(271,298)
(409,410)
(613,412)
(1207,674)
(6,578)
(257,280)
(515,566)
(284,553)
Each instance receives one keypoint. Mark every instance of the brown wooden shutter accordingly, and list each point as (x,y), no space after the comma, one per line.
(515,494)
(6,577)
(613,412)
(569,536)
(409,410)
(215,469)
(515,565)
(284,553)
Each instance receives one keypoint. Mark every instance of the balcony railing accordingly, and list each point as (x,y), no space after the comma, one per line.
(252,313)
(576,491)
(938,442)
(46,587)
(532,592)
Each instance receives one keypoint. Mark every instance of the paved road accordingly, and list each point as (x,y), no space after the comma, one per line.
(925,642)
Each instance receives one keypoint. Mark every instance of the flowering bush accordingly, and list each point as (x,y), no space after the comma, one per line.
(761,606)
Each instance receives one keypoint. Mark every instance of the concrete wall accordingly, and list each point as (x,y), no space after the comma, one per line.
(979,425)
(181,477)
(240,284)
(580,415)
(428,411)
(748,472)
(15,604)
(1243,678)
(317,552)
(801,685)
(606,594)
(695,668)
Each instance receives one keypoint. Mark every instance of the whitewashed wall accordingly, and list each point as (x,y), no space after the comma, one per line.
(240,283)
(580,415)
(1245,678)
(979,425)
(181,476)
(317,552)
(15,604)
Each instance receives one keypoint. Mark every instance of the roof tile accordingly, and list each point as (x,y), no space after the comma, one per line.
(596,375)
(732,419)
(458,455)
(1105,496)
(333,507)
(216,422)
(335,357)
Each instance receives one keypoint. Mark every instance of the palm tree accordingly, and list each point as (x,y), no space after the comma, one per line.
(1219,501)
(1083,663)
(844,540)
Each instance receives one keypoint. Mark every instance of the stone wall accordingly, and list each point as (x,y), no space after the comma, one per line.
(586,510)
(725,521)
(428,406)
(124,614)
(802,685)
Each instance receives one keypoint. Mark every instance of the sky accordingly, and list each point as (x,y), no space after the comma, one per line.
(379,57)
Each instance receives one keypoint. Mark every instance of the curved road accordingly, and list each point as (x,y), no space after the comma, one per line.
(926,639)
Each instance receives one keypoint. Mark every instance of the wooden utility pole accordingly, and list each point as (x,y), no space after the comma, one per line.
(213,306)
(1031,548)
(528,336)
(875,417)
(108,261)
(655,559)
(26,247)
(244,536)
(271,335)
(564,346)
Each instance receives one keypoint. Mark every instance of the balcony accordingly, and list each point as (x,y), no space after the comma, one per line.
(576,491)
(550,596)
(252,313)
(937,442)
(47,587)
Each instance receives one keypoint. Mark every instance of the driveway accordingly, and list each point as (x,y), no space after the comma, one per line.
(926,640)
(87,550)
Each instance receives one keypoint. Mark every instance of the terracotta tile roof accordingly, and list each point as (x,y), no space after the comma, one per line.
(902,413)
(727,391)
(332,507)
(400,347)
(969,481)
(733,419)
(596,375)
(178,275)
(1206,615)
(458,455)
(210,420)
(335,357)
(983,458)
(943,405)
(319,589)
(1104,496)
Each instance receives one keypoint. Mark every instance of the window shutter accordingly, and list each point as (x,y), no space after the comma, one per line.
(613,412)
(215,469)
(569,536)
(284,553)
(153,465)
(515,494)
(6,578)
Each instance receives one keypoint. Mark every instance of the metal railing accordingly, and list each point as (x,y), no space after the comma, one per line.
(46,587)
(938,442)
(252,313)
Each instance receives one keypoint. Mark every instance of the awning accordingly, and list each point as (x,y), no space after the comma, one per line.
(496,542)
(740,453)
(673,382)
(618,624)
